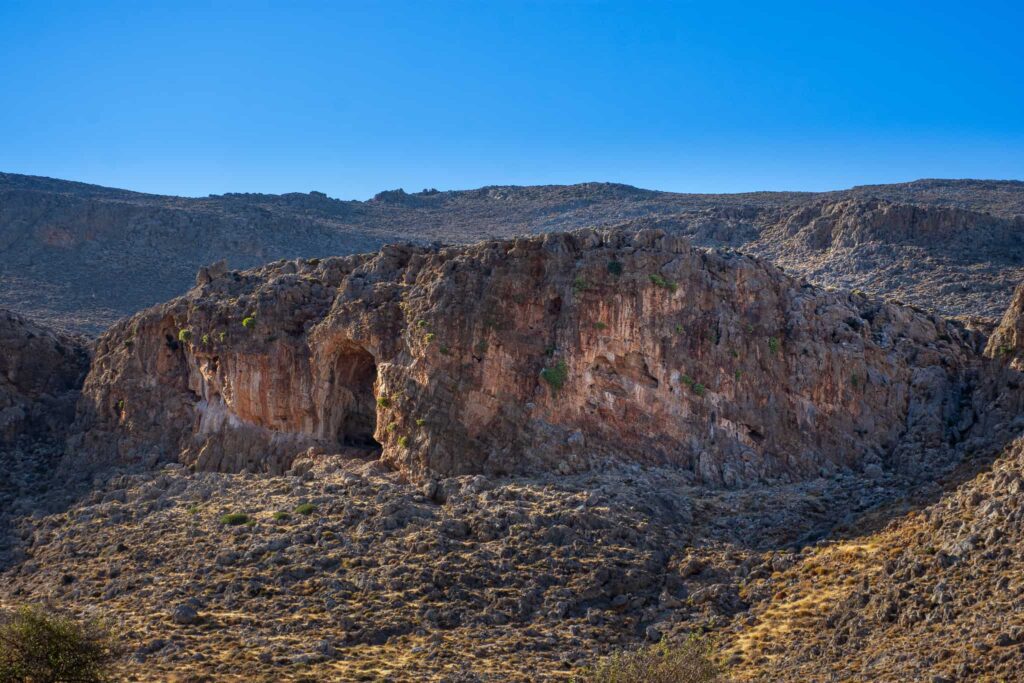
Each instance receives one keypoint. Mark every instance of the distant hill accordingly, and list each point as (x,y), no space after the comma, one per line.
(78,256)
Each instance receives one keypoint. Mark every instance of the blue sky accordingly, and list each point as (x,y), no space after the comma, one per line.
(353,98)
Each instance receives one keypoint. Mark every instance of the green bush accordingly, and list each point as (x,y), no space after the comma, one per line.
(686,662)
(249,322)
(305,509)
(660,281)
(383,401)
(615,268)
(403,441)
(281,516)
(430,337)
(698,388)
(234,518)
(420,422)
(580,285)
(40,646)
(184,336)
(773,344)
(556,376)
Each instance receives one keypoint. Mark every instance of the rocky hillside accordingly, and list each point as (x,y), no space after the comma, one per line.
(79,257)
(500,462)
(41,374)
(534,354)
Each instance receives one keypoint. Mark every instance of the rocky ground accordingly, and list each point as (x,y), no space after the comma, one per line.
(376,579)
(936,596)
(79,257)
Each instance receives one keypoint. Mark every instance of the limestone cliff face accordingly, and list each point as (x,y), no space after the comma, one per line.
(551,352)
(40,375)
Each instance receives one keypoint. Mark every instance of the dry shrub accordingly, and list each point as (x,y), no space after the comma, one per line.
(686,662)
(38,646)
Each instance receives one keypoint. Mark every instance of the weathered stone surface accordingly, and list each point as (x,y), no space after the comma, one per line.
(543,353)
(40,375)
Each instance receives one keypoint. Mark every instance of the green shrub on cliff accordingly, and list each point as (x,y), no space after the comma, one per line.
(659,280)
(556,375)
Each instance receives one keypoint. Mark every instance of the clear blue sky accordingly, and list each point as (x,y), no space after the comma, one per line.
(353,98)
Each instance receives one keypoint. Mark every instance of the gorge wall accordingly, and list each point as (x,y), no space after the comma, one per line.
(40,376)
(550,352)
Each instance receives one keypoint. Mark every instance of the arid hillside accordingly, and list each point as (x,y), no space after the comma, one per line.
(78,257)
(504,461)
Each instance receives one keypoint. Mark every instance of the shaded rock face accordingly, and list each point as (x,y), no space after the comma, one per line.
(540,353)
(40,377)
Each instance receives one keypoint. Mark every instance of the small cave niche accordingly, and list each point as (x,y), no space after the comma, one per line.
(351,405)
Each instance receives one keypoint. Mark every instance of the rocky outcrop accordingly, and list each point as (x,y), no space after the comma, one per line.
(544,353)
(40,376)
(80,257)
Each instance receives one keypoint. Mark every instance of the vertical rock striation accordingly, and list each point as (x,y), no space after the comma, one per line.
(549,352)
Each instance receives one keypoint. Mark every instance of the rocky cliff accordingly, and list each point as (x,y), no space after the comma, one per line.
(79,257)
(40,375)
(544,353)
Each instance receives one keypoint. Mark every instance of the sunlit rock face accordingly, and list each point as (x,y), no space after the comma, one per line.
(544,353)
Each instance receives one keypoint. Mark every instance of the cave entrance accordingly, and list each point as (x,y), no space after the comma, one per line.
(352,400)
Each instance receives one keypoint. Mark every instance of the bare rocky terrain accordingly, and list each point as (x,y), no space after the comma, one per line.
(79,257)
(712,415)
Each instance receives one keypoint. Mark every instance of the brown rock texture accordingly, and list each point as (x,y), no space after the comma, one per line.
(79,257)
(533,354)
(40,375)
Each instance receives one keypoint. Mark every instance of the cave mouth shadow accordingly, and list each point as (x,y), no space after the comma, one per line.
(351,404)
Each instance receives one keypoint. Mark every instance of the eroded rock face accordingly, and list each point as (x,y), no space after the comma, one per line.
(539,353)
(40,375)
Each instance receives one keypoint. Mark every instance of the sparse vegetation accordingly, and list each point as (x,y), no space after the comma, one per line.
(659,280)
(37,646)
(420,422)
(234,519)
(580,285)
(556,375)
(600,325)
(184,336)
(249,322)
(305,509)
(421,324)
(686,662)
(615,268)
(222,336)
(430,337)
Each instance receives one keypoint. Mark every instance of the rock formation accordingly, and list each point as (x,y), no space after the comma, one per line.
(79,257)
(543,353)
(40,375)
